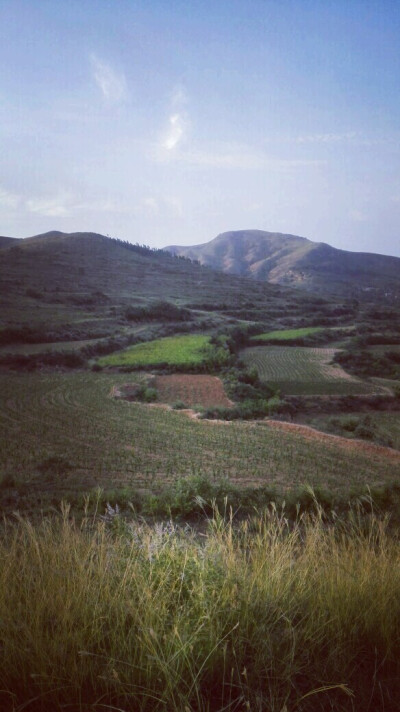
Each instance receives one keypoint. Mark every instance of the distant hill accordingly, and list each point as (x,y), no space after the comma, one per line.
(58,278)
(7,241)
(298,262)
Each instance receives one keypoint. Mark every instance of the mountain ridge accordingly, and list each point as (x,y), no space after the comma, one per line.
(291,260)
(55,276)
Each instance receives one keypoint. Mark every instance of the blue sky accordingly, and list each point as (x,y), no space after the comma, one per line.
(167,122)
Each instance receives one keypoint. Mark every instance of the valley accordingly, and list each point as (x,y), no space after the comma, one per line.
(97,316)
(169,434)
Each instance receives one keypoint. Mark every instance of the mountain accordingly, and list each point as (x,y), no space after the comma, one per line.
(295,261)
(56,279)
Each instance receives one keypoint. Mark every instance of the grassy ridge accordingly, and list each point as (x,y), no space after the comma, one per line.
(187,350)
(265,617)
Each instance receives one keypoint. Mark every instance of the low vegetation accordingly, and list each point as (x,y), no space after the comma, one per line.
(364,363)
(267,615)
(187,350)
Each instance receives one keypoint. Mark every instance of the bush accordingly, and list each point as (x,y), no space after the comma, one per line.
(178,405)
(145,394)
(159,311)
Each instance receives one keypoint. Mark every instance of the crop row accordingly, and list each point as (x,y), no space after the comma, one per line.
(76,437)
(301,366)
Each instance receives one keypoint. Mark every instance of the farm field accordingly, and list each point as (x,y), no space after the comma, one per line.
(191,390)
(173,350)
(64,434)
(298,370)
(287,334)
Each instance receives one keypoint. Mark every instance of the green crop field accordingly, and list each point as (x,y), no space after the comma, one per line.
(303,370)
(77,437)
(288,334)
(184,350)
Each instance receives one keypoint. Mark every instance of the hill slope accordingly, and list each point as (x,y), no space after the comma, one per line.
(59,278)
(7,241)
(298,262)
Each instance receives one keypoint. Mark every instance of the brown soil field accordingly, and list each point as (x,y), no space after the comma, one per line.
(206,391)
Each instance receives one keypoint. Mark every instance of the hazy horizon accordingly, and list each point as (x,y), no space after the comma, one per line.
(169,123)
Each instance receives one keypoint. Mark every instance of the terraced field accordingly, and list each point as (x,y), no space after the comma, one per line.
(184,350)
(191,390)
(303,370)
(63,434)
(288,334)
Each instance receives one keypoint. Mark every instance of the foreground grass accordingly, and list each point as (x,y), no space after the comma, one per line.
(187,350)
(267,616)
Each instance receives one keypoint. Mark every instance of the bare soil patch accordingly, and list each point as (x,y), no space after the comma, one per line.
(191,390)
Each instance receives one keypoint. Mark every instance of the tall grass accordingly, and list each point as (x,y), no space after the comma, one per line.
(266,616)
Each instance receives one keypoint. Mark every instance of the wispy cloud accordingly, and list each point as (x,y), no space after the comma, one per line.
(152,206)
(178,120)
(179,97)
(55,207)
(66,204)
(8,200)
(353,138)
(112,84)
(358,216)
(232,157)
(175,133)
(327,137)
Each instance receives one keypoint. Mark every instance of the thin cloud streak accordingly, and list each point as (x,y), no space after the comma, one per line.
(50,207)
(8,200)
(327,137)
(67,205)
(111,84)
(241,158)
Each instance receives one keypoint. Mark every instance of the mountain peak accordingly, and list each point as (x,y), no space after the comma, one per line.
(296,261)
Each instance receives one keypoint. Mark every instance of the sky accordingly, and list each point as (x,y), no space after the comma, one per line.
(168,122)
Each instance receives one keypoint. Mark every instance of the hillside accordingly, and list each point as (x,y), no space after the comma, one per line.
(59,279)
(298,262)
(7,241)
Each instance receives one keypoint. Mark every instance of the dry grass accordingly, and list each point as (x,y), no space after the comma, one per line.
(106,616)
